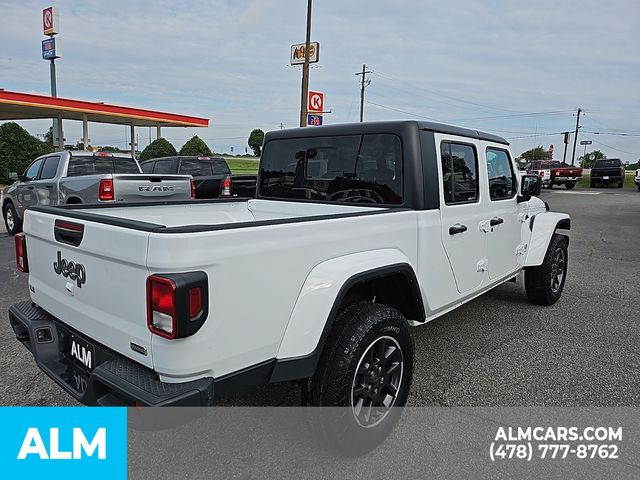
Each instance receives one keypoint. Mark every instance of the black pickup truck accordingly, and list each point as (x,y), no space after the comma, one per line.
(212,176)
(608,170)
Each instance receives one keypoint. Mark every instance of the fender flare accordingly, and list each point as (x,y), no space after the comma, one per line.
(543,226)
(321,297)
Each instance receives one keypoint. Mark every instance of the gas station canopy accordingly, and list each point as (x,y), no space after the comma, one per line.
(24,106)
(27,106)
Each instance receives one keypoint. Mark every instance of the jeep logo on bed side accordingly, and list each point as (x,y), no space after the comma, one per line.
(155,188)
(71,270)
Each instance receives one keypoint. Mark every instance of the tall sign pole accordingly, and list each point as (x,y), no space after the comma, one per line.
(51,51)
(305,71)
(575,138)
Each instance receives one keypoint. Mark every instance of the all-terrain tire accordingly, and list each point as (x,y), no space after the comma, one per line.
(569,185)
(544,283)
(366,340)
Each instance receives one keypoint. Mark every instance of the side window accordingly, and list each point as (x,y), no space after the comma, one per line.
(147,167)
(49,168)
(164,166)
(459,173)
(32,171)
(502,181)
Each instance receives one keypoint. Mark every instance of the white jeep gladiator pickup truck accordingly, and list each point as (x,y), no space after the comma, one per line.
(357,232)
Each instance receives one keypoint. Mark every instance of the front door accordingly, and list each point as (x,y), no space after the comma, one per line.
(461,211)
(46,188)
(503,211)
(26,190)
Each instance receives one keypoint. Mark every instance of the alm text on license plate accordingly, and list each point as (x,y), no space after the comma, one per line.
(82,353)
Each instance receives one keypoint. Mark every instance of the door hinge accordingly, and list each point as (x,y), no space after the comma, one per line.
(522,249)
(485,226)
(483,265)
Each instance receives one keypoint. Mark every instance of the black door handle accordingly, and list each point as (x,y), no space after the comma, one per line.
(49,186)
(457,228)
(30,187)
(496,221)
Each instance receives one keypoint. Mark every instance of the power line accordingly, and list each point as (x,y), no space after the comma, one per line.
(612,148)
(401,111)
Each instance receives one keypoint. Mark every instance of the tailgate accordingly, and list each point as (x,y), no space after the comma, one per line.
(103,294)
(144,188)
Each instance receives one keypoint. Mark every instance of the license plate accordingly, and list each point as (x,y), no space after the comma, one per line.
(82,353)
(605,178)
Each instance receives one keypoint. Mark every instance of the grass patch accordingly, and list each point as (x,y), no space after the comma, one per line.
(629,181)
(243,166)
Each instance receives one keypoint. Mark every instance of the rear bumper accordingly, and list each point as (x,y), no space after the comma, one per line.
(599,177)
(115,380)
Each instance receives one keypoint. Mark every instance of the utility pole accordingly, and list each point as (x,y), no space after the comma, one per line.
(305,71)
(566,142)
(281,126)
(575,138)
(364,83)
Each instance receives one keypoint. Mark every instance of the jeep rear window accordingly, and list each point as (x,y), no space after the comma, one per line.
(608,163)
(350,168)
(90,165)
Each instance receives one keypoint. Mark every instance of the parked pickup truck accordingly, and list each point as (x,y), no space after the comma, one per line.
(552,172)
(82,177)
(607,170)
(212,175)
(358,232)
(637,179)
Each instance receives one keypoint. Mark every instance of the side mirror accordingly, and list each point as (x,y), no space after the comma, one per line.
(13,176)
(530,186)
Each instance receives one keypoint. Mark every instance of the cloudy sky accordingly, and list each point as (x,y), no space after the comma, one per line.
(518,69)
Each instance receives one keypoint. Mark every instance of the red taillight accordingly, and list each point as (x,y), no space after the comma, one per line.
(193,188)
(542,174)
(105,190)
(21,252)
(177,303)
(161,306)
(225,187)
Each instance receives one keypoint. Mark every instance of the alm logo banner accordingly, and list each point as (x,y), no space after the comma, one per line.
(59,442)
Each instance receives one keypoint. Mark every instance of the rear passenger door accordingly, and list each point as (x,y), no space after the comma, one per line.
(503,212)
(461,210)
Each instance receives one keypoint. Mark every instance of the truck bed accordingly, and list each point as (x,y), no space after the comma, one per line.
(206,215)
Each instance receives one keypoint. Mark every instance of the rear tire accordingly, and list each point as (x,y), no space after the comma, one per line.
(620,184)
(544,283)
(366,369)
(592,184)
(638,187)
(570,185)
(11,219)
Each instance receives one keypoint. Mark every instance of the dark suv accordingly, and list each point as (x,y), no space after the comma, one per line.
(212,175)
(608,170)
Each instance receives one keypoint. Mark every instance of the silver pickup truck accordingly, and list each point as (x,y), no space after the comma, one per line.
(70,177)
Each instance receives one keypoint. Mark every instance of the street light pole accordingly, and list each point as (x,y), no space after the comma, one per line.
(575,138)
(305,71)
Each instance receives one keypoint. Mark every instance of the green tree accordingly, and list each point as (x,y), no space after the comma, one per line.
(256,137)
(586,162)
(537,153)
(18,148)
(158,148)
(195,147)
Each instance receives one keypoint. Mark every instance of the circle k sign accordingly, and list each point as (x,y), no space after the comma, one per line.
(316,102)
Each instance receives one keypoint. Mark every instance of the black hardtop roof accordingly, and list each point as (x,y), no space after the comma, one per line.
(395,126)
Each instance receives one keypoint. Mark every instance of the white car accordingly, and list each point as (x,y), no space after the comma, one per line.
(637,179)
(357,233)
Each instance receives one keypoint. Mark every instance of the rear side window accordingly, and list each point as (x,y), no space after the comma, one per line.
(50,167)
(459,172)
(147,167)
(197,167)
(101,165)
(165,166)
(363,169)
(502,179)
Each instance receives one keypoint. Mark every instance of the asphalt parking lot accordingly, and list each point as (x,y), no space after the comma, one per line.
(497,350)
